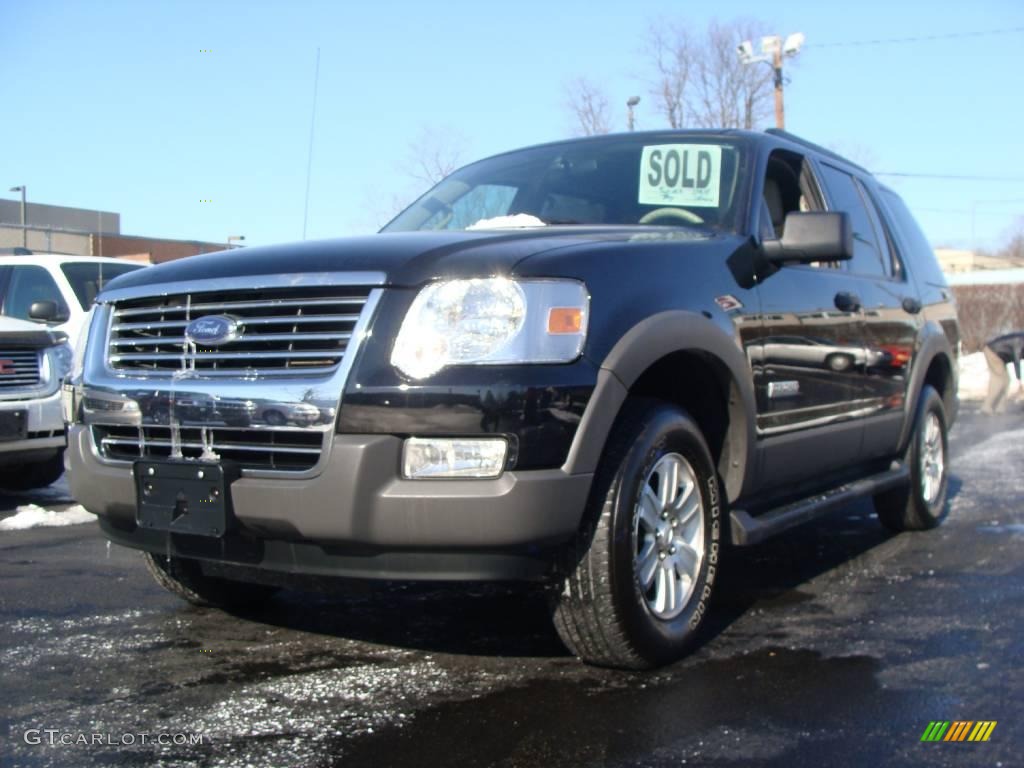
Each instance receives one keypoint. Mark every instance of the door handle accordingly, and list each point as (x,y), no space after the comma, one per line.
(911,305)
(847,301)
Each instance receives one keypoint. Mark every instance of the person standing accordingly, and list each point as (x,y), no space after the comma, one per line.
(1000,351)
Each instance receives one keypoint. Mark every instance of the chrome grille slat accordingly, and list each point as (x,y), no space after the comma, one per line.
(281,331)
(201,356)
(228,306)
(289,320)
(247,339)
(160,443)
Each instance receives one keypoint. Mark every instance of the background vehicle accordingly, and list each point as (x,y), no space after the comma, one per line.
(32,363)
(560,365)
(55,289)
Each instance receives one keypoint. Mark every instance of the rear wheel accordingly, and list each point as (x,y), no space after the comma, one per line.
(641,572)
(185,578)
(922,504)
(25,477)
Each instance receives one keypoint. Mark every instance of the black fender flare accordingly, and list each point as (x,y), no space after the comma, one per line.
(642,346)
(934,344)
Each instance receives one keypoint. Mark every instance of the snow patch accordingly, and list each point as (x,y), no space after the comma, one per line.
(33,516)
(507,222)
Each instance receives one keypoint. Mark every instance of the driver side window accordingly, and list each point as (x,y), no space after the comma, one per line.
(789,187)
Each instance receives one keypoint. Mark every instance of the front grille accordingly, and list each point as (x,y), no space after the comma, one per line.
(280,331)
(278,449)
(19,369)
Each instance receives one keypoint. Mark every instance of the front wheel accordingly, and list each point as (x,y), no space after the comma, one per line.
(641,572)
(922,504)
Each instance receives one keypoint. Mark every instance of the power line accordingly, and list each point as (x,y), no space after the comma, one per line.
(950,176)
(921,38)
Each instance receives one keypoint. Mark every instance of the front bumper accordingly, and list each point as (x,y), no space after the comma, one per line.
(358,517)
(45,425)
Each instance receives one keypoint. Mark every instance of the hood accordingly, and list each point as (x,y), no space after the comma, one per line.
(21,333)
(404,258)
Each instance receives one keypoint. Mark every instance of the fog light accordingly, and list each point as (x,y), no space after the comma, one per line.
(445,458)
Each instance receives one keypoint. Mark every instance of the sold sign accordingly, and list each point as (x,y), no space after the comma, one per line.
(680,174)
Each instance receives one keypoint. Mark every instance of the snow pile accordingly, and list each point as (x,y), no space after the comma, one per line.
(974,377)
(508,222)
(32,516)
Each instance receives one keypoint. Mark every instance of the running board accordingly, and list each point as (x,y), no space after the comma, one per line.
(747,529)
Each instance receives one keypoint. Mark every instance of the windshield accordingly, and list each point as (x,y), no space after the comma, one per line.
(87,278)
(665,179)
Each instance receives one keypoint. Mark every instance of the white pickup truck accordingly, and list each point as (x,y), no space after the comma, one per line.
(33,361)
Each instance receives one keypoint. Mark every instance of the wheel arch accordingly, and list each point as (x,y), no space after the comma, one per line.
(934,367)
(651,360)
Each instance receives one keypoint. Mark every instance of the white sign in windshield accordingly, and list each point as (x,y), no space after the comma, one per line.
(681,174)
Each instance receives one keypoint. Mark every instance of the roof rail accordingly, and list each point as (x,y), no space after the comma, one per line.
(816,147)
(16,251)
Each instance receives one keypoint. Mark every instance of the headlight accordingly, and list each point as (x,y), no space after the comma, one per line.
(492,321)
(78,360)
(61,356)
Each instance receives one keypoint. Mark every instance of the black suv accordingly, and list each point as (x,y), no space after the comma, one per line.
(588,364)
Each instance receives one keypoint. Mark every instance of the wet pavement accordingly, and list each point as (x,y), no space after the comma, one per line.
(835,644)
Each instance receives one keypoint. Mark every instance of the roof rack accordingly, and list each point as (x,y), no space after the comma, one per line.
(816,147)
(16,251)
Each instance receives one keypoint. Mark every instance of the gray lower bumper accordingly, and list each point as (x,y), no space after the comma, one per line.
(359,500)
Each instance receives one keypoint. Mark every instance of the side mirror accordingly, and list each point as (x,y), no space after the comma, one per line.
(812,236)
(45,311)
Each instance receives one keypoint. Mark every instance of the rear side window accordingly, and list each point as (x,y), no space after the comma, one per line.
(27,286)
(915,246)
(87,278)
(870,252)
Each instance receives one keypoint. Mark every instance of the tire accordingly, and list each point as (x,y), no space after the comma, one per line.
(607,609)
(25,477)
(922,504)
(185,578)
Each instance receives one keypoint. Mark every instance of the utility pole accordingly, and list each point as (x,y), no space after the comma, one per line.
(780,107)
(773,50)
(24,224)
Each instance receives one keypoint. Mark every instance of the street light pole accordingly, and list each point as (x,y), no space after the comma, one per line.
(24,225)
(630,103)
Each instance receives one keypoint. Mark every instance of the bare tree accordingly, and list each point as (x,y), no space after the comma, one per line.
(434,153)
(588,105)
(700,82)
(671,50)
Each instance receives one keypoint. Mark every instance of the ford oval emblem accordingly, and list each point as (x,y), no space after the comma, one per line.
(212,330)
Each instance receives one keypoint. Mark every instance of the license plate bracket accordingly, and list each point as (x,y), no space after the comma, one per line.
(13,425)
(189,497)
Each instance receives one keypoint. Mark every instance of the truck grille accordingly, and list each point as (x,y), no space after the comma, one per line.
(19,369)
(280,331)
(278,449)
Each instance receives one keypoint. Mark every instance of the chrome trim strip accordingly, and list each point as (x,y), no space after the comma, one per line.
(229,305)
(246,282)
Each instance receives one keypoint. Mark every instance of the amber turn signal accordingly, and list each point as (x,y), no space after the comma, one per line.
(565,320)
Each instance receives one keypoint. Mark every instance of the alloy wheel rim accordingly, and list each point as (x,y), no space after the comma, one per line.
(668,536)
(933,459)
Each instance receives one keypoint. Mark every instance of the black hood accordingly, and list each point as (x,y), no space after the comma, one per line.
(405,258)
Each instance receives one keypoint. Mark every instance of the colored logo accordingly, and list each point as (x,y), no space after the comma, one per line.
(7,366)
(212,330)
(958,730)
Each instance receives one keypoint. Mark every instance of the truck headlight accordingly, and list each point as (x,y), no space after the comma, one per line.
(61,356)
(491,321)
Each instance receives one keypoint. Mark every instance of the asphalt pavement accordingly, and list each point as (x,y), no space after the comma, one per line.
(836,644)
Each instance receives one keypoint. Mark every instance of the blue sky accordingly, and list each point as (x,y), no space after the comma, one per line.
(112,105)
